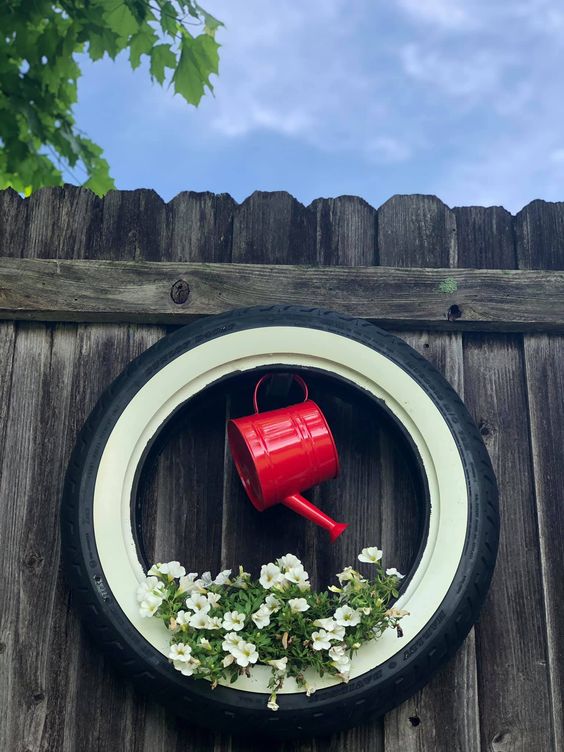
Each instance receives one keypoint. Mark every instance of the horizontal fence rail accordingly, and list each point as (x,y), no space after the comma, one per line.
(161,292)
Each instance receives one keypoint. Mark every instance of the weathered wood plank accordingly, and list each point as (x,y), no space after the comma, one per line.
(544,361)
(346,235)
(414,231)
(511,634)
(470,299)
(539,234)
(484,237)
(273,229)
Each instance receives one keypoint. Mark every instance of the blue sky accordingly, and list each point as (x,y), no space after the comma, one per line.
(460,98)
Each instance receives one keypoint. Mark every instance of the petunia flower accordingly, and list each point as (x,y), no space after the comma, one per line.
(270,575)
(233,620)
(279,664)
(393,572)
(200,620)
(298,605)
(347,616)
(179,651)
(334,630)
(222,578)
(245,653)
(198,602)
(370,555)
(288,560)
(261,617)
(231,641)
(320,640)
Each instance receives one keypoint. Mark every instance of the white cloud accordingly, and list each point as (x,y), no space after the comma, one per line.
(448,14)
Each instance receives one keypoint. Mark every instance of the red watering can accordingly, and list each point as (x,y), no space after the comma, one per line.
(282,452)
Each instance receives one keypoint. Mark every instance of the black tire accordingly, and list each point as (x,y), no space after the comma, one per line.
(372,693)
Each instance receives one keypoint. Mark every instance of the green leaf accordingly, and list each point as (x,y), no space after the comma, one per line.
(141,44)
(120,19)
(100,181)
(198,60)
(103,41)
(161,57)
(169,18)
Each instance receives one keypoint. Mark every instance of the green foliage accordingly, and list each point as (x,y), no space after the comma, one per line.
(39,41)
(224,626)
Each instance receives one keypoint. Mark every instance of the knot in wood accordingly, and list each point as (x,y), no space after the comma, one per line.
(180,291)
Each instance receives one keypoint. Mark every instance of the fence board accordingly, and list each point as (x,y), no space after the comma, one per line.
(468,299)
(57,690)
(540,244)
(414,231)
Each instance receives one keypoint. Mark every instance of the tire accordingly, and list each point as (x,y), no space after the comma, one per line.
(444,590)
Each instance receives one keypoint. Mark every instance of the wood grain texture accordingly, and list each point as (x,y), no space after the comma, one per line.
(57,690)
(450,299)
(414,231)
(539,237)
(511,633)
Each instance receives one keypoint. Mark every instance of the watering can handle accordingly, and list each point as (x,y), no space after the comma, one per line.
(295,376)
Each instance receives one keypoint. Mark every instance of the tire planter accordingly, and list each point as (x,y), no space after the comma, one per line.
(443,592)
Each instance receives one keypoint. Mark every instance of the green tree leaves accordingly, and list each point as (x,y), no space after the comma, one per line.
(198,60)
(39,73)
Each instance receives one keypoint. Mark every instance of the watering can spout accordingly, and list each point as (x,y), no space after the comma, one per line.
(302,506)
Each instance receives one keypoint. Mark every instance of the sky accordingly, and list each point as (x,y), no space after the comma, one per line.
(463,99)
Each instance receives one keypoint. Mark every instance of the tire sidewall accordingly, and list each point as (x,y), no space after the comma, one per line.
(376,691)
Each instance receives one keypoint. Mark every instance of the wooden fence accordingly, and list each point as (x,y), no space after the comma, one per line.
(496,335)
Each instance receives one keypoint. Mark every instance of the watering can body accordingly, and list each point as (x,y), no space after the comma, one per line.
(281,452)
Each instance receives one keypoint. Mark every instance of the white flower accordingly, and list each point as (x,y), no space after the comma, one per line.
(214,622)
(348,573)
(320,640)
(147,609)
(233,620)
(198,602)
(366,610)
(206,579)
(200,620)
(370,555)
(272,603)
(279,664)
(245,653)
(272,704)
(270,575)
(186,667)
(182,617)
(261,617)
(393,572)
(296,574)
(335,631)
(179,651)
(205,643)
(338,652)
(190,584)
(231,642)
(298,605)
(303,584)
(287,561)
(222,578)
(228,660)
(346,616)
(171,568)
(310,689)
(151,591)
(213,599)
